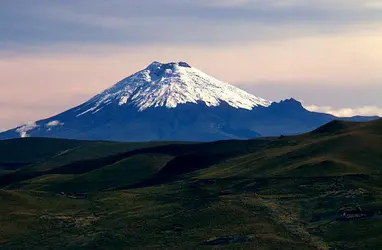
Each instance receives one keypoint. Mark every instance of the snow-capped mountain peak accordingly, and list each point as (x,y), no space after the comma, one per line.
(169,85)
(149,106)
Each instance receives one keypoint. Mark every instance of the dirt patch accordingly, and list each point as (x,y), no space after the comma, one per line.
(72,220)
(85,221)
(228,240)
(23,213)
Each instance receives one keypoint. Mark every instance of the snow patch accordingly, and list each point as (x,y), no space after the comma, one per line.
(104,99)
(23,130)
(123,100)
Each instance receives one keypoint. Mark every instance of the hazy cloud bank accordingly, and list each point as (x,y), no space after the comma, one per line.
(347,112)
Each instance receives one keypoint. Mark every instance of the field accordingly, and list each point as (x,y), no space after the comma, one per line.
(268,193)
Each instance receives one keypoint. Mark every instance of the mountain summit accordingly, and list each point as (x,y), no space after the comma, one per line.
(174,101)
(168,85)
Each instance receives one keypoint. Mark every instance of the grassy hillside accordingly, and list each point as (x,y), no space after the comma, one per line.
(50,153)
(270,193)
(17,153)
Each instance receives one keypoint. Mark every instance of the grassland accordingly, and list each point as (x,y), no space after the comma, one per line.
(269,193)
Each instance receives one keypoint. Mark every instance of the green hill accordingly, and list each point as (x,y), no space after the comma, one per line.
(269,193)
(17,153)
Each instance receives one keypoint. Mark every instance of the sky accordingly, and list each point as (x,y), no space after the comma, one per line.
(56,54)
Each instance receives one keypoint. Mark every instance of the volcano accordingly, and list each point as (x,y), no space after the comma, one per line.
(176,102)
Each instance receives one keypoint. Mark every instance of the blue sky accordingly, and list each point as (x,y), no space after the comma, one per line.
(44,22)
(55,54)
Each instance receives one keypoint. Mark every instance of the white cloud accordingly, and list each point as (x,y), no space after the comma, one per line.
(347,112)
(23,130)
(54,123)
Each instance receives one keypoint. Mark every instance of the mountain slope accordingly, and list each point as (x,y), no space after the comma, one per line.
(266,193)
(174,101)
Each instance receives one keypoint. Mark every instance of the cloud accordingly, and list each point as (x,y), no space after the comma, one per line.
(54,123)
(43,22)
(347,112)
(23,130)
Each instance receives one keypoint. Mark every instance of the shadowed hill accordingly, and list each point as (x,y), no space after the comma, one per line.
(339,147)
(30,150)
(342,126)
(335,127)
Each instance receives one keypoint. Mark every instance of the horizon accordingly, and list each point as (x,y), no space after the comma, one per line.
(54,56)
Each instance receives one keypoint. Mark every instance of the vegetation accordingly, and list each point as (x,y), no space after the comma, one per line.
(269,193)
